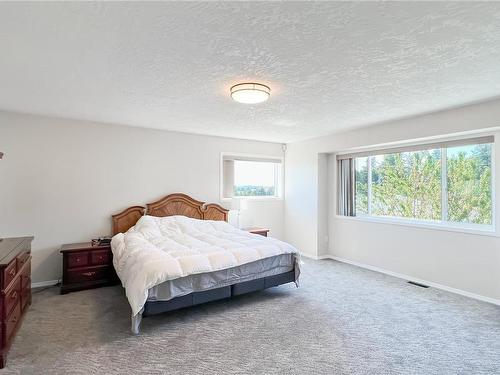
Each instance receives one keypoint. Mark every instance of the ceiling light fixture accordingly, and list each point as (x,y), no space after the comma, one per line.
(250,93)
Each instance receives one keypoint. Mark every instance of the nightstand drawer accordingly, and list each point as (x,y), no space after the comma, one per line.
(101,257)
(88,274)
(87,266)
(78,259)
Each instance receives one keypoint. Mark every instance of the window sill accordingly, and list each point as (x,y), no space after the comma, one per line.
(483,231)
(253,199)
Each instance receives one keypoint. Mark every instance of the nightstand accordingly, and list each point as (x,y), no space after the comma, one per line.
(257,230)
(86,266)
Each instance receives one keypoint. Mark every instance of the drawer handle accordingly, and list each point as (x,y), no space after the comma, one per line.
(77,259)
(13,295)
(92,273)
(12,272)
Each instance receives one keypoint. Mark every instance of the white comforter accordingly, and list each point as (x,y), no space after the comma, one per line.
(158,249)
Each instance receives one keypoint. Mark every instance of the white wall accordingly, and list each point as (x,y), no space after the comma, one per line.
(463,261)
(60,180)
(323,203)
(301,191)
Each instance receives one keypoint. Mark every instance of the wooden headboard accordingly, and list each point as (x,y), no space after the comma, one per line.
(173,204)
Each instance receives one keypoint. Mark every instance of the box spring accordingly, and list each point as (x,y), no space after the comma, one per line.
(196,298)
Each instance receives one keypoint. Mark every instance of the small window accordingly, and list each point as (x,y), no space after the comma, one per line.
(251,177)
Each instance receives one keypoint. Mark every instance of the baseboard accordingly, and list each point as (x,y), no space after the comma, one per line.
(43,284)
(417,280)
(315,257)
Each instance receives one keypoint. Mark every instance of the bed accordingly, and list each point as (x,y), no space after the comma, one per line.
(179,252)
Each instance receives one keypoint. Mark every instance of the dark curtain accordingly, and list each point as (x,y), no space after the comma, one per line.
(347,186)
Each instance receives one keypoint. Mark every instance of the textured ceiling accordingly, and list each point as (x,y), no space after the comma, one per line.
(331,66)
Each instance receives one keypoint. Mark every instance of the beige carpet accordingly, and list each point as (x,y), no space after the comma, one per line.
(342,320)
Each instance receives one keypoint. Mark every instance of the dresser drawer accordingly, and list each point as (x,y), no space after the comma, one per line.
(9,273)
(11,322)
(25,296)
(79,259)
(12,296)
(100,257)
(26,274)
(88,274)
(22,259)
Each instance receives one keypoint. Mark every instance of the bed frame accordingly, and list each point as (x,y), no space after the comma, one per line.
(182,204)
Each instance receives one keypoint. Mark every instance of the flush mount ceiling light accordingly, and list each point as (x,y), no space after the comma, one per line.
(250,93)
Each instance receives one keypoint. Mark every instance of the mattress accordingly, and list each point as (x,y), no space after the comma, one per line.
(210,280)
(160,249)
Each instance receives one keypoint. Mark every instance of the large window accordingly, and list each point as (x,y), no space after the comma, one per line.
(469,184)
(248,176)
(407,184)
(448,182)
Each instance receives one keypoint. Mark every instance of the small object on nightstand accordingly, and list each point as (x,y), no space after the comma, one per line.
(257,230)
(101,241)
(87,266)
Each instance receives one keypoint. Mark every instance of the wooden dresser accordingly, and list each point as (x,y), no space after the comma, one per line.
(86,266)
(15,280)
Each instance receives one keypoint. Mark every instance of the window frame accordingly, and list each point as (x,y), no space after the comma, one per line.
(443,223)
(279,178)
